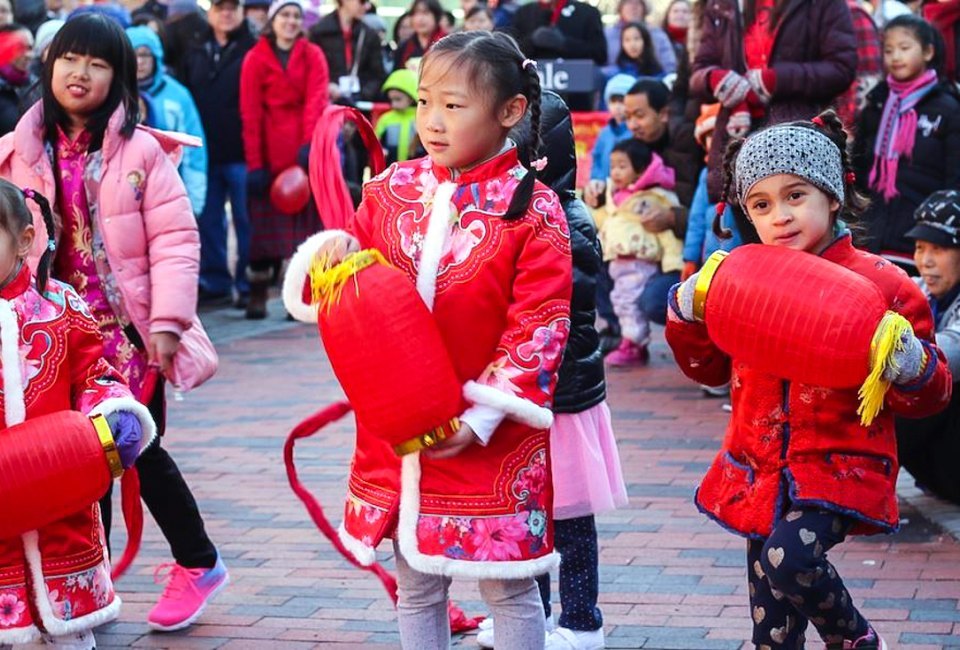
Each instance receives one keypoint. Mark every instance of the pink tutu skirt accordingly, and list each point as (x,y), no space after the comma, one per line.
(587,479)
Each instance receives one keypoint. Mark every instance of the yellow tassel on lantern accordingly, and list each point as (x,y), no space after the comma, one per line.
(327,284)
(887,339)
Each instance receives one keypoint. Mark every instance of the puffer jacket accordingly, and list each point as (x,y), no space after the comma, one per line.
(934,164)
(814,57)
(581,384)
(174,110)
(802,443)
(143,215)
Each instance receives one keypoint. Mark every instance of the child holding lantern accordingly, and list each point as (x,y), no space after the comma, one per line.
(810,473)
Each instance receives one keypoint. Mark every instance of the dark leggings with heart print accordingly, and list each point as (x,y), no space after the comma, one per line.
(792,583)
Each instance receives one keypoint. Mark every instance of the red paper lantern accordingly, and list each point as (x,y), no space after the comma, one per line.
(387,352)
(800,317)
(52,466)
(290,192)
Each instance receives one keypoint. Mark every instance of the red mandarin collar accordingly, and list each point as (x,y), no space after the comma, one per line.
(497,166)
(18,285)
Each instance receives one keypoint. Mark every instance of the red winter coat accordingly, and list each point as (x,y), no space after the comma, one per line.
(499,291)
(807,441)
(280,107)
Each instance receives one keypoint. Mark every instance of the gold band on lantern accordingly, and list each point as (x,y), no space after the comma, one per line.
(428,439)
(108,444)
(704,279)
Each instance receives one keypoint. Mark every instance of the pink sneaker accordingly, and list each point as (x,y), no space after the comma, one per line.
(628,354)
(187,592)
(869,641)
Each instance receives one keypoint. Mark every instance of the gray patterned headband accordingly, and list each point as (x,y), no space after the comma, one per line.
(795,150)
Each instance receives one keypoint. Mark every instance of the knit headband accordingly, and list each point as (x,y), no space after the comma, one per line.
(794,150)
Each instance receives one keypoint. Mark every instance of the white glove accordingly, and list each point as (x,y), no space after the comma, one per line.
(907,364)
(685,293)
(732,89)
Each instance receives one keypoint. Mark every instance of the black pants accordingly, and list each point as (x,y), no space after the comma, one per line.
(791,582)
(169,499)
(930,449)
(576,542)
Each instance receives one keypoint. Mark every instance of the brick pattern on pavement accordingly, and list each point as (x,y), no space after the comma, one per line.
(669,577)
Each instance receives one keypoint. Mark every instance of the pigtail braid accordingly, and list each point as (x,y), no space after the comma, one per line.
(46,260)
(728,197)
(524,192)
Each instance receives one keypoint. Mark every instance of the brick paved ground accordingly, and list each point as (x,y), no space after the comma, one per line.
(670,579)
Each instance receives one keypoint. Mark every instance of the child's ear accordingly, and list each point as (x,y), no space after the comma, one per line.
(928,53)
(27,235)
(512,110)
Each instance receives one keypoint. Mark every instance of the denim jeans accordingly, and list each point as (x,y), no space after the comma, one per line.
(228,180)
(653,300)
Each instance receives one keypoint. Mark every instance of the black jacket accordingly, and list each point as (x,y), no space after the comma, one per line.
(212,74)
(9,106)
(934,165)
(581,384)
(328,35)
(180,34)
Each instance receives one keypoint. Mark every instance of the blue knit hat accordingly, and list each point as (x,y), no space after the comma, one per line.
(619,84)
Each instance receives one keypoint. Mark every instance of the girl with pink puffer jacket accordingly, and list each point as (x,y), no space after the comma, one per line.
(127,242)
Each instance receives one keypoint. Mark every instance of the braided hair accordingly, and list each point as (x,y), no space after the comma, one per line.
(15,216)
(493,61)
(827,123)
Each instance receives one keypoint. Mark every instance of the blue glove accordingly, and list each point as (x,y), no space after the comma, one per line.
(258,180)
(303,157)
(127,434)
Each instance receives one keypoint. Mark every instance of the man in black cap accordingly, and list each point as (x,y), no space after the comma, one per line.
(930,447)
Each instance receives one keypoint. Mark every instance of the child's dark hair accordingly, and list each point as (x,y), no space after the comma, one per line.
(97,36)
(658,95)
(647,64)
(829,124)
(433,6)
(396,26)
(925,33)
(15,216)
(638,153)
(493,61)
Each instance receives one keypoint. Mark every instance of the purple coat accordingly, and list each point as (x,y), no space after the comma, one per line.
(814,56)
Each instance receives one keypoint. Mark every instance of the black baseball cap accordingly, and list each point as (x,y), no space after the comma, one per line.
(938,219)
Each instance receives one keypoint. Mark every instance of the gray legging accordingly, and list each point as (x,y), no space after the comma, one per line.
(425,625)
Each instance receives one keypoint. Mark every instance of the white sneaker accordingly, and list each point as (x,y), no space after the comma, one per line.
(485,636)
(564,639)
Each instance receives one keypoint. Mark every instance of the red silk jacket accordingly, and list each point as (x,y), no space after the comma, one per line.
(806,442)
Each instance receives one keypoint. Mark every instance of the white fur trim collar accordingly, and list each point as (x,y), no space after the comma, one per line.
(297,272)
(516,408)
(114,404)
(438,229)
(438,565)
(53,625)
(15,409)
(16,636)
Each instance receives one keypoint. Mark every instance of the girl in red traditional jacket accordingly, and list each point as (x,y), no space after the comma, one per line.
(488,249)
(798,472)
(55,581)
(127,242)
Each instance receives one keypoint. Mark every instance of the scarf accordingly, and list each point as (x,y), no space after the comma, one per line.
(944,16)
(898,130)
(657,174)
(679,34)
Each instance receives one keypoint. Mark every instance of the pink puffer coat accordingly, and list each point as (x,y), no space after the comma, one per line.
(144,216)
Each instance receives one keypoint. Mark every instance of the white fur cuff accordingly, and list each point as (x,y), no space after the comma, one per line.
(298,271)
(516,408)
(365,555)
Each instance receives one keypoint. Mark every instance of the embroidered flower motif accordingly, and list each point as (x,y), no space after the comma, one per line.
(537,521)
(498,538)
(11,609)
(546,343)
(495,191)
(531,482)
(461,243)
(61,606)
(427,186)
(499,375)
(402,176)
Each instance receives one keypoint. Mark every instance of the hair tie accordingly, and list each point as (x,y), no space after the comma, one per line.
(51,244)
(540,164)
(818,121)
(528,62)
(721,208)
(27,192)
(850,177)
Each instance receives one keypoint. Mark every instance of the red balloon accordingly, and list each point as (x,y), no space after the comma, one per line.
(290,192)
